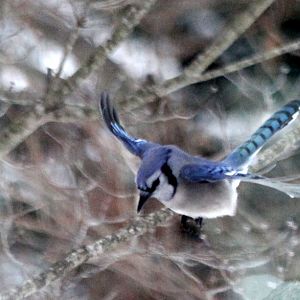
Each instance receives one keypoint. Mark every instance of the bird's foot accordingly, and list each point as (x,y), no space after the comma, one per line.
(191,226)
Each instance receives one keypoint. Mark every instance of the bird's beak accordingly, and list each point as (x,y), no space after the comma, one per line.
(144,196)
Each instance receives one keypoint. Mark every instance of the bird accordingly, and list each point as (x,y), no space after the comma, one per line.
(193,186)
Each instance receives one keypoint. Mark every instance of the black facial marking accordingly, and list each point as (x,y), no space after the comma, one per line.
(154,185)
(171,178)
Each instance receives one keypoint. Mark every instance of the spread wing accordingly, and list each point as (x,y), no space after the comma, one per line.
(110,116)
(243,154)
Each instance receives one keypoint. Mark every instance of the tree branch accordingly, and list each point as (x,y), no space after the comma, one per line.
(227,37)
(131,18)
(284,145)
(77,257)
(232,32)
(245,63)
(141,97)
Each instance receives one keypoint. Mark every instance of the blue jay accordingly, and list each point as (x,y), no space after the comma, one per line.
(193,186)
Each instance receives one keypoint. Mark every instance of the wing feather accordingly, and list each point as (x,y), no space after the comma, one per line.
(134,145)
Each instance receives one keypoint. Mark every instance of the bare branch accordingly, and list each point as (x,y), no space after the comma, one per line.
(54,83)
(131,18)
(283,146)
(67,50)
(109,4)
(69,114)
(234,67)
(247,62)
(18,130)
(19,98)
(232,32)
(228,36)
(77,257)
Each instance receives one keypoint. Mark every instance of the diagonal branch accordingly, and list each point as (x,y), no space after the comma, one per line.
(77,257)
(245,63)
(131,18)
(228,36)
(164,89)
(161,90)
(286,144)
(232,32)
(17,130)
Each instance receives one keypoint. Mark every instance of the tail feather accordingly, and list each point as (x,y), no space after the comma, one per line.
(242,155)
(281,184)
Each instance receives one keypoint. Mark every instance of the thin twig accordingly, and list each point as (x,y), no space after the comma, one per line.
(68,49)
(236,66)
(53,85)
(109,4)
(232,32)
(19,98)
(81,255)
(18,130)
(56,82)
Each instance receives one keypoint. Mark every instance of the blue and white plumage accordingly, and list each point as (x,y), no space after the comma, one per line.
(194,186)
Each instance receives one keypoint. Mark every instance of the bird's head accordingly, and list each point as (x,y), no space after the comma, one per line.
(155,177)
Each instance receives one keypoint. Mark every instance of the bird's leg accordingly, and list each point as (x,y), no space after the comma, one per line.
(191,226)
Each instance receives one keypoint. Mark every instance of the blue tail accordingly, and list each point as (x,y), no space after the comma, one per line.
(242,155)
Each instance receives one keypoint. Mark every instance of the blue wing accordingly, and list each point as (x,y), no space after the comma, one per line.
(242,155)
(208,171)
(134,145)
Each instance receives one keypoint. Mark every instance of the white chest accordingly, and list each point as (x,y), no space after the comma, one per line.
(207,200)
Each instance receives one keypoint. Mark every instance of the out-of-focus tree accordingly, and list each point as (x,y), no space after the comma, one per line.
(199,74)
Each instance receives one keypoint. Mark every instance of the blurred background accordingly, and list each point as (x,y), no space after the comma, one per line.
(65,180)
